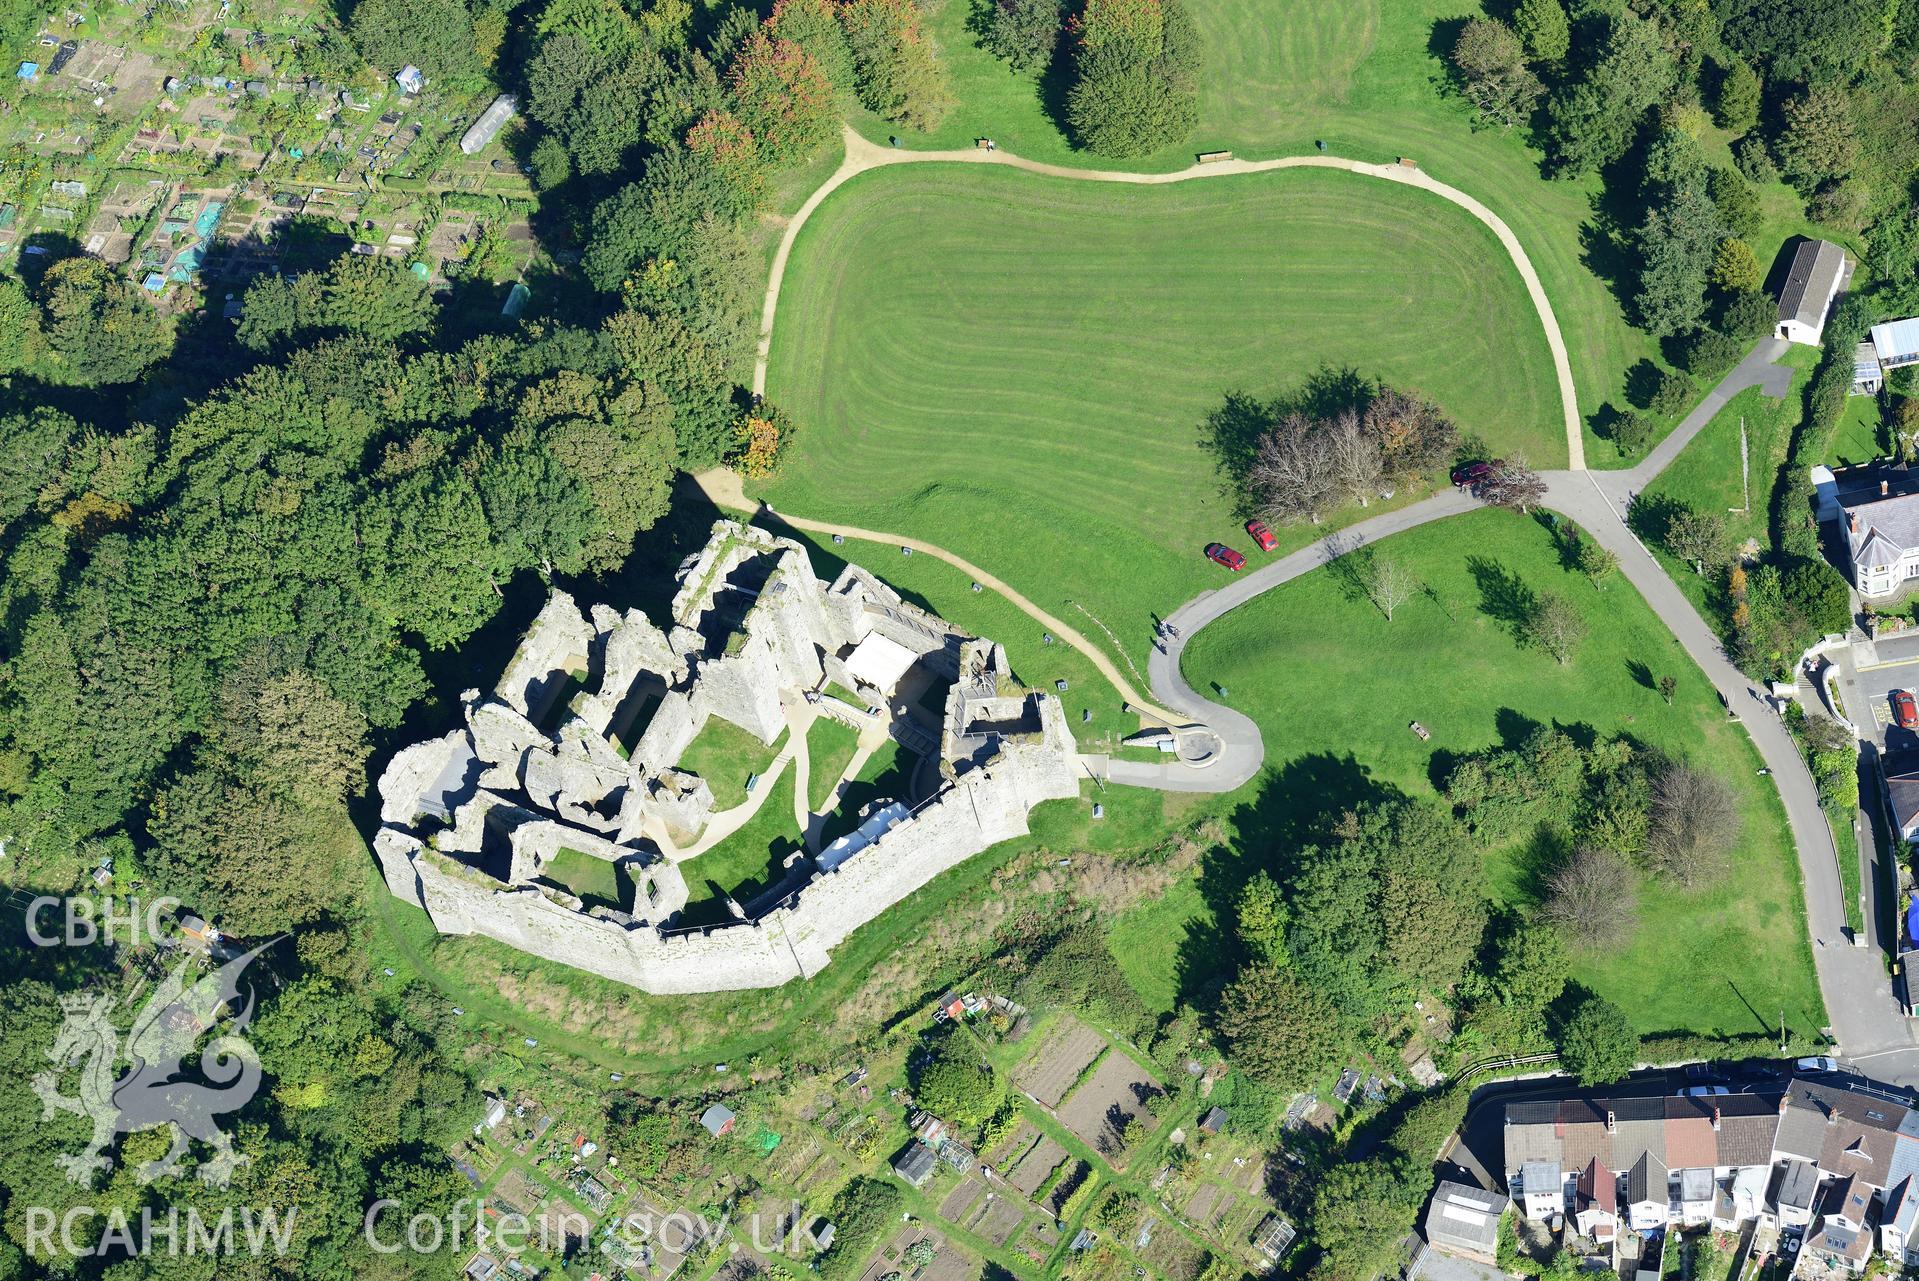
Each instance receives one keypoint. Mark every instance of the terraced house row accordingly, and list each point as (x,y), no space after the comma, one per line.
(1824,1173)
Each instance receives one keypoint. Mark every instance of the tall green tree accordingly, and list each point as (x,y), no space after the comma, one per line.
(98,326)
(899,74)
(781,93)
(1592,118)
(436,36)
(1735,105)
(1136,66)
(1597,1042)
(1279,1029)
(1820,141)
(1543,26)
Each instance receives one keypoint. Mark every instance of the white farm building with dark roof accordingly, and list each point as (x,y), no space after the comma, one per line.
(1819,271)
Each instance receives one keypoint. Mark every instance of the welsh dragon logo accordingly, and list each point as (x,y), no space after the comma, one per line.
(151,1092)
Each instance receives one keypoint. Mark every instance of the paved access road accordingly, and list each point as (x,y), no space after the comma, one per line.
(1244,752)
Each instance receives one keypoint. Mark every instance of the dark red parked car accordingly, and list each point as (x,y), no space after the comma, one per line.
(1224,555)
(1904,709)
(1472,473)
(1261,535)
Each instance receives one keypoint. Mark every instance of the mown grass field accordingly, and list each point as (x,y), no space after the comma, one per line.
(1861,435)
(747,861)
(830,747)
(1019,367)
(1368,78)
(1334,686)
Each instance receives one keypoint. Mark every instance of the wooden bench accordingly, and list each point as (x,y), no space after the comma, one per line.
(1214,157)
(1408,162)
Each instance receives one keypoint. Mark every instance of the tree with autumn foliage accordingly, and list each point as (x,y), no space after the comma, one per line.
(782,97)
(722,140)
(760,441)
(898,72)
(1136,67)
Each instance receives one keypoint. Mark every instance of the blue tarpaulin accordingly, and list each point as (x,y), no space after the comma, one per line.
(1912,920)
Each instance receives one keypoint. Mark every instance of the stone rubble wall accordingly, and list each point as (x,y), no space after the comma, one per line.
(557,634)
(742,688)
(411,771)
(985,807)
(674,726)
(794,636)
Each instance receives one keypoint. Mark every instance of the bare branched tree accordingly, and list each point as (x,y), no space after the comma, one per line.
(1355,456)
(1390,584)
(1293,476)
(1593,898)
(1693,825)
(1555,625)
(1513,484)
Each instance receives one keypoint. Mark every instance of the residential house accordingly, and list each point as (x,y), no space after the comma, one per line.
(916,1163)
(1881,530)
(1596,1203)
(1464,1221)
(1696,1189)
(1648,1196)
(1840,1163)
(1820,270)
(1841,1239)
(718,1120)
(1902,790)
(1740,1200)
(1655,1141)
(1899,1223)
(1794,1193)
(1541,1190)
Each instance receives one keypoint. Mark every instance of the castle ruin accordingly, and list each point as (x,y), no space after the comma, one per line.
(579,749)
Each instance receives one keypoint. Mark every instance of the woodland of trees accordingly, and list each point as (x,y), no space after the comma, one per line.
(1692,114)
(232,558)
(1384,904)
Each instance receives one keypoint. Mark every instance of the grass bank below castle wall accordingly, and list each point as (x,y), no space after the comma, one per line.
(891,966)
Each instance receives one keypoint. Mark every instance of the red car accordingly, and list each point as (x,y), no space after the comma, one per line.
(1472,473)
(1261,535)
(1903,709)
(1221,554)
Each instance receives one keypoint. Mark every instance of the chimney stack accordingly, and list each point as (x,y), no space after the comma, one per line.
(1852,521)
(1715,1116)
(1610,1120)
(1885,487)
